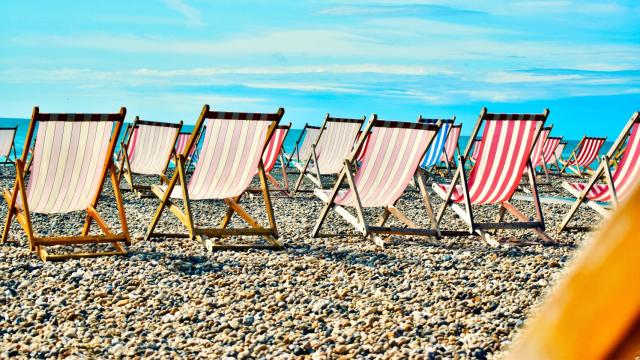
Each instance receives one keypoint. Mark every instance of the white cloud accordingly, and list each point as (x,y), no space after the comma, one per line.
(191,14)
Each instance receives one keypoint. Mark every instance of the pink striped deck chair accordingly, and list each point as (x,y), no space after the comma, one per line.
(302,149)
(538,148)
(7,138)
(548,157)
(388,167)
(181,144)
(274,153)
(148,151)
(71,159)
(451,146)
(617,186)
(333,145)
(363,149)
(503,157)
(232,148)
(585,153)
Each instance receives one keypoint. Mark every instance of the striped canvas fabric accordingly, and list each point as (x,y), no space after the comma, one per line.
(152,146)
(549,150)
(182,142)
(477,144)
(388,166)
(560,150)
(231,151)
(363,149)
(6,140)
(68,159)
(451,144)
(310,138)
(436,149)
(272,152)
(502,158)
(588,152)
(627,174)
(334,146)
(536,154)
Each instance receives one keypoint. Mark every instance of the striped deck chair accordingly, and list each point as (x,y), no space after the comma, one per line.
(503,157)
(538,148)
(274,153)
(71,160)
(585,153)
(363,149)
(451,146)
(147,151)
(477,143)
(7,138)
(616,186)
(548,157)
(433,155)
(232,148)
(333,145)
(302,149)
(389,165)
(181,144)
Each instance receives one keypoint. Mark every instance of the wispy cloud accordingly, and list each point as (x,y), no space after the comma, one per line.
(191,14)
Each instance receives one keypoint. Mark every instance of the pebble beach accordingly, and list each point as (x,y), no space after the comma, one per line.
(337,297)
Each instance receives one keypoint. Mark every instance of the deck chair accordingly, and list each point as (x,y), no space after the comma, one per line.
(390,163)
(363,148)
(274,153)
(71,160)
(181,144)
(232,148)
(7,144)
(585,153)
(147,151)
(616,186)
(302,149)
(503,157)
(333,145)
(538,148)
(436,149)
(548,158)
(450,147)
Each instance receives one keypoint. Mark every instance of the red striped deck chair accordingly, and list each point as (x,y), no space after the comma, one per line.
(71,159)
(548,157)
(232,148)
(274,153)
(503,157)
(616,187)
(585,153)
(148,151)
(363,149)
(389,165)
(451,146)
(181,144)
(302,149)
(7,138)
(333,145)
(537,158)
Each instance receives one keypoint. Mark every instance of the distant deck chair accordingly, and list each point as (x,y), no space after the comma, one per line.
(147,151)
(593,312)
(450,147)
(71,160)
(390,163)
(274,153)
(436,149)
(537,154)
(616,186)
(503,157)
(7,144)
(181,144)
(333,145)
(302,149)
(548,159)
(232,148)
(585,153)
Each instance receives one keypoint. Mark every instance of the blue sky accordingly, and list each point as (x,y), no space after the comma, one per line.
(164,59)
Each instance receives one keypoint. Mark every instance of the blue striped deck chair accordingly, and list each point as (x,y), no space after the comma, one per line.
(433,155)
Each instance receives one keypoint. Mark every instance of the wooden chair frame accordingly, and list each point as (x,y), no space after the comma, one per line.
(317,177)
(466,213)
(296,148)
(359,222)
(574,154)
(179,178)
(602,171)
(7,160)
(39,243)
(125,167)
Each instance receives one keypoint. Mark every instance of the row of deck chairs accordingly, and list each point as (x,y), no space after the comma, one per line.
(73,155)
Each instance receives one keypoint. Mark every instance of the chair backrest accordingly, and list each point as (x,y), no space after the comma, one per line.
(232,146)
(432,157)
(476,149)
(549,150)
(153,144)
(588,150)
(395,151)
(70,159)
(362,149)
(507,143)
(560,150)
(311,134)
(271,153)
(627,173)
(536,154)
(452,143)
(7,136)
(181,144)
(335,143)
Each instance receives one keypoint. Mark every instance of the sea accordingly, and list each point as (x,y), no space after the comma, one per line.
(289,142)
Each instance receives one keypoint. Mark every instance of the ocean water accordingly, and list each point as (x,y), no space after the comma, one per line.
(289,142)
